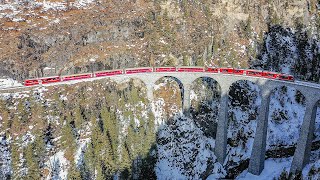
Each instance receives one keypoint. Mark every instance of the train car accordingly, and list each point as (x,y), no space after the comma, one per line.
(31,82)
(212,70)
(108,73)
(286,77)
(76,77)
(226,70)
(254,73)
(239,71)
(47,80)
(165,69)
(270,75)
(138,70)
(190,69)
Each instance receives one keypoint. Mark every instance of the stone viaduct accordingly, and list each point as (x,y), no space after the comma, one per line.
(266,86)
(256,165)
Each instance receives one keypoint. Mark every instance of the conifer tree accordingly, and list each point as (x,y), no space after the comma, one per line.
(15,160)
(74,173)
(78,119)
(111,129)
(125,162)
(31,163)
(15,124)
(5,117)
(22,112)
(37,114)
(39,150)
(67,139)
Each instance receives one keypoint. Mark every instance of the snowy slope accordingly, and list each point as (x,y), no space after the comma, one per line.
(185,153)
(5,158)
(285,115)
(8,82)
(242,122)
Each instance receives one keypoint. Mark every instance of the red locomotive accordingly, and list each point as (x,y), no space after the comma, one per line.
(247,72)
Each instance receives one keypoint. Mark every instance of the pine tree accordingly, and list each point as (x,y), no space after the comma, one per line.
(186,61)
(38,147)
(100,172)
(15,124)
(15,160)
(4,116)
(31,163)
(67,139)
(74,173)
(111,129)
(21,110)
(78,119)
(37,114)
(200,62)
(125,162)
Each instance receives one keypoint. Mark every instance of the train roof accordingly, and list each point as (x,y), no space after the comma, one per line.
(108,70)
(138,68)
(76,74)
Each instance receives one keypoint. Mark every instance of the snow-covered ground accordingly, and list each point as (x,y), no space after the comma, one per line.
(242,126)
(185,153)
(57,166)
(272,169)
(5,157)
(317,126)
(285,115)
(8,82)
(13,9)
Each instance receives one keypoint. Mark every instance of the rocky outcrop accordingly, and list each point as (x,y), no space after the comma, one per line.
(143,33)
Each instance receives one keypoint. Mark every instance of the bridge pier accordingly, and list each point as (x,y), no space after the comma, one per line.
(302,153)
(186,99)
(257,159)
(221,137)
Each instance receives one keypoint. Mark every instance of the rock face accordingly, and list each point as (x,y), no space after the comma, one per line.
(63,36)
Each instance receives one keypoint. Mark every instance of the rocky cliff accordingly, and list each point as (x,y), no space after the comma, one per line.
(53,37)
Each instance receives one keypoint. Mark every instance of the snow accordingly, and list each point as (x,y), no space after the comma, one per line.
(306,170)
(80,151)
(184,152)
(57,166)
(317,126)
(282,47)
(5,157)
(157,107)
(8,82)
(242,127)
(272,169)
(12,10)
(27,138)
(285,115)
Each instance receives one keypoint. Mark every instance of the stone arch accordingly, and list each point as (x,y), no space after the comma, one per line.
(287,109)
(243,110)
(205,94)
(166,96)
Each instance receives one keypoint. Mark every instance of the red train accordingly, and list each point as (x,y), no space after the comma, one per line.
(245,72)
